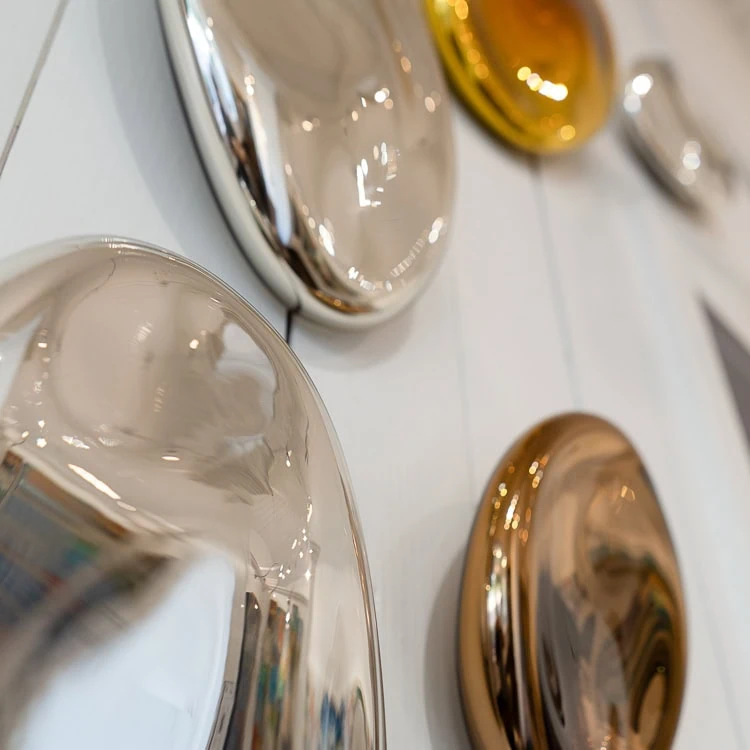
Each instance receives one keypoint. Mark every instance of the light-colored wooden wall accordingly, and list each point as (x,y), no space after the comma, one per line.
(569,284)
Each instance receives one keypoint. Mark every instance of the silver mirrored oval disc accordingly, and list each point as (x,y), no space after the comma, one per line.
(181,564)
(325,130)
(669,139)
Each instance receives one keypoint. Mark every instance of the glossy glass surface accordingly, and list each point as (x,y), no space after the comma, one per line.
(572,626)
(180,560)
(670,140)
(539,73)
(324,127)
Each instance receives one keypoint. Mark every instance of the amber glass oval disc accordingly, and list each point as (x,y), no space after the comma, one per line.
(538,73)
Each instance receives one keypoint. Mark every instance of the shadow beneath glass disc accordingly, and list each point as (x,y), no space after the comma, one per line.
(352,350)
(442,698)
(417,569)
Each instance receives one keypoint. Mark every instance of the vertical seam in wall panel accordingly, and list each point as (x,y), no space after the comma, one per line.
(35,73)
(556,288)
(463,383)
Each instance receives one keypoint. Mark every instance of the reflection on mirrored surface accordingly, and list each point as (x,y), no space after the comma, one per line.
(324,127)
(538,73)
(572,626)
(180,559)
(669,139)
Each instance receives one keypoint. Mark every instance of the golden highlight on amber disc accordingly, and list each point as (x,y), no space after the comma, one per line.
(538,73)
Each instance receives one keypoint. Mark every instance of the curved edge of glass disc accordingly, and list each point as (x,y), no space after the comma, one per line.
(181,563)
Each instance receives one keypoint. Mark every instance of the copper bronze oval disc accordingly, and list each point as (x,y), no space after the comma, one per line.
(572,624)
